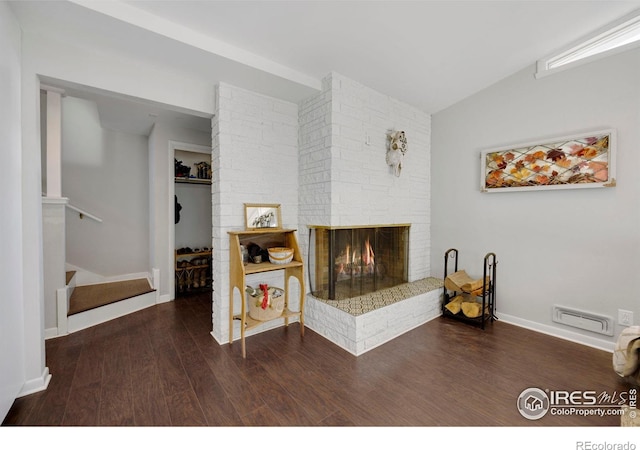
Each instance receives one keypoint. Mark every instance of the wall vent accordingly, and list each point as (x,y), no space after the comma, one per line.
(583,319)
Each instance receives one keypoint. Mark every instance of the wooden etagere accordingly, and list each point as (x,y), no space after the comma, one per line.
(238,272)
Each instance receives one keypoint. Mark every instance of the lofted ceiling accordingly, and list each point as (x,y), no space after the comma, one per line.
(430,54)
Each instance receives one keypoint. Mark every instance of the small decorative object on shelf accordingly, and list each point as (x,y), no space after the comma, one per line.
(245,254)
(181,171)
(204,170)
(265,303)
(192,173)
(280,255)
(257,216)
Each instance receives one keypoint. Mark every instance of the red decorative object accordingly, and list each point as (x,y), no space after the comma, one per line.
(265,298)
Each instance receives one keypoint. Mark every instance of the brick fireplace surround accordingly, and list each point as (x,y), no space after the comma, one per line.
(344,181)
(328,152)
(359,295)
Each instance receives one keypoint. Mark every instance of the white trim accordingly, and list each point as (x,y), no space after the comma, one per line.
(62,301)
(578,338)
(53,152)
(172,30)
(36,384)
(48,88)
(54,200)
(164,298)
(174,145)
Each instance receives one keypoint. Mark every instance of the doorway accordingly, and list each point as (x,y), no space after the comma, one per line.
(191,208)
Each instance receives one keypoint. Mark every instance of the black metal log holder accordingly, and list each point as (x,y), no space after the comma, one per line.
(488,290)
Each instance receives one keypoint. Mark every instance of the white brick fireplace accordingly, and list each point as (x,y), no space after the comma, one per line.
(345,181)
(324,161)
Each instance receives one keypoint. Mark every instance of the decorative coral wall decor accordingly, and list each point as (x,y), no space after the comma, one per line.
(579,161)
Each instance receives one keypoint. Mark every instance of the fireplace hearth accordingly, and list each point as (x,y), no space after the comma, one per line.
(346,262)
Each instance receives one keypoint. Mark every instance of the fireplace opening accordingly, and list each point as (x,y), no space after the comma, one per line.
(346,262)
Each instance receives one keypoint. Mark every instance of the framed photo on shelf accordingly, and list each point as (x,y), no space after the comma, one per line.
(258,216)
(580,161)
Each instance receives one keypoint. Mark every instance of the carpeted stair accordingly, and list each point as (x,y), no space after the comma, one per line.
(85,298)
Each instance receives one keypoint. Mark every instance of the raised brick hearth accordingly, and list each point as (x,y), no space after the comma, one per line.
(362,323)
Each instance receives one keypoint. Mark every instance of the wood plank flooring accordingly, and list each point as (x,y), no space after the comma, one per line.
(161,367)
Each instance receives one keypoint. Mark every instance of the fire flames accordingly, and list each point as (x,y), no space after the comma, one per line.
(356,263)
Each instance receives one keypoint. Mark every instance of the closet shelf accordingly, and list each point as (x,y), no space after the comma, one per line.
(186,180)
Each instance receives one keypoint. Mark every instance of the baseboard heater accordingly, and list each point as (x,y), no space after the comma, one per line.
(583,319)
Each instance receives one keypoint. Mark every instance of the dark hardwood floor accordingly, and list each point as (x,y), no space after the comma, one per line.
(161,367)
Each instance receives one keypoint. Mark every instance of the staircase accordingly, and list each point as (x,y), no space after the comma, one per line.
(93,304)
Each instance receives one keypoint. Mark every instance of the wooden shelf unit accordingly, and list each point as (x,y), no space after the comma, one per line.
(184,273)
(238,272)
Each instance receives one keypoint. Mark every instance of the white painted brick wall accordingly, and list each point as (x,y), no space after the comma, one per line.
(342,175)
(255,160)
(345,181)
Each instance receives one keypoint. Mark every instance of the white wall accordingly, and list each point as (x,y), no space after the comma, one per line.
(254,160)
(344,177)
(105,173)
(194,228)
(12,346)
(577,247)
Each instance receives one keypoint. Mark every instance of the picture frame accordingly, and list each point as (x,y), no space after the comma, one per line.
(259,216)
(585,160)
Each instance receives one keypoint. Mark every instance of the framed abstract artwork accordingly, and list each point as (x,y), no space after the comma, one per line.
(579,161)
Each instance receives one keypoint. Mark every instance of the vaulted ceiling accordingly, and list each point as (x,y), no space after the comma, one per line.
(429,54)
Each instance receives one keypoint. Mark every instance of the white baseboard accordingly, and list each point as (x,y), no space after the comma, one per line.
(164,298)
(86,319)
(216,339)
(37,384)
(578,338)
(50,333)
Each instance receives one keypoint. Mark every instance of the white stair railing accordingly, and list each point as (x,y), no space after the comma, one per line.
(83,213)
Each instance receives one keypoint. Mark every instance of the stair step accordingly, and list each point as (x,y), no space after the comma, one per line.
(69,276)
(93,296)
